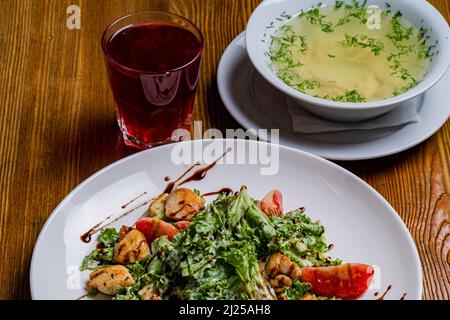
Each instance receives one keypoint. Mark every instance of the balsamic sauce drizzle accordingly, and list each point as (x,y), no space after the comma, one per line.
(130,202)
(172,184)
(200,174)
(196,176)
(385,293)
(227,191)
(87,236)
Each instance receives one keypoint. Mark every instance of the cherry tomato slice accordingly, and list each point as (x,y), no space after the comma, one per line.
(154,228)
(348,281)
(272,203)
(181,225)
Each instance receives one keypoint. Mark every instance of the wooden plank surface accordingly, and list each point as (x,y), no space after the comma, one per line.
(58,126)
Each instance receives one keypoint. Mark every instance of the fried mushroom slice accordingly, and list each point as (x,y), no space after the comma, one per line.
(183,204)
(133,247)
(108,279)
(280,282)
(308,297)
(124,231)
(281,272)
(157,207)
(149,292)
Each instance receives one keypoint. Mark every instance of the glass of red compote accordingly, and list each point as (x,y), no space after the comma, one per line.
(153,61)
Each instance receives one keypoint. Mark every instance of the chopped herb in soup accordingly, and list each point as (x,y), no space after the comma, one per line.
(343,53)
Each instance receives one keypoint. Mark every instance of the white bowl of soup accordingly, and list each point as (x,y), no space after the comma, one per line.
(349,60)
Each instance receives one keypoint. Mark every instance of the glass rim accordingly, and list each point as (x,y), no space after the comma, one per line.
(133,70)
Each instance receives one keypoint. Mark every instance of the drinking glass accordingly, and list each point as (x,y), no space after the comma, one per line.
(153,62)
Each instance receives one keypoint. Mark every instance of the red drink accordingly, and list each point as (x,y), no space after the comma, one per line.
(153,69)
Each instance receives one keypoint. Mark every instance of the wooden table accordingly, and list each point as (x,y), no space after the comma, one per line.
(58,126)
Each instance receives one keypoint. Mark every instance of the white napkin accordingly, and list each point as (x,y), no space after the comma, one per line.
(305,122)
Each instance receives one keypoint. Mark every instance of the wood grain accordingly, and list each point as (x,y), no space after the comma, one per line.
(58,127)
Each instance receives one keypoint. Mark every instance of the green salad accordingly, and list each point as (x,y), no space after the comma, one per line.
(234,248)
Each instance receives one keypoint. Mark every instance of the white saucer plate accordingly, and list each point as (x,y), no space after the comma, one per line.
(255,104)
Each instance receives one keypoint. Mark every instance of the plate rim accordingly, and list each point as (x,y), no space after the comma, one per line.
(248,122)
(392,211)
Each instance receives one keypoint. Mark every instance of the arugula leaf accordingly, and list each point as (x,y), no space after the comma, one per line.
(92,293)
(297,290)
(98,259)
(138,268)
(109,237)
(102,257)
(301,239)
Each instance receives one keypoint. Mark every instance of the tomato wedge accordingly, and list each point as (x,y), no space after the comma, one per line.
(272,203)
(348,281)
(153,228)
(181,225)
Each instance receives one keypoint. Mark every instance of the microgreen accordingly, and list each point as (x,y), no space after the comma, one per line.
(363,41)
(355,11)
(308,85)
(400,32)
(314,17)
(352,96)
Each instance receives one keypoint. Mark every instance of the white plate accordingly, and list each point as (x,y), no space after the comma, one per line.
(362,226)
(257,105)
